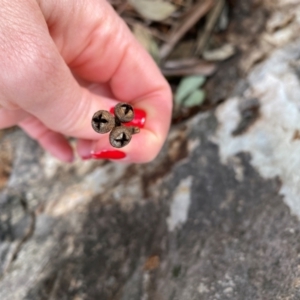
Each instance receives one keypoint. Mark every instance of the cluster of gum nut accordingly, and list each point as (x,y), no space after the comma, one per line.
(120,135)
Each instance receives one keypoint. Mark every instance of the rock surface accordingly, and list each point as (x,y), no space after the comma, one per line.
(186,226)
(215,216)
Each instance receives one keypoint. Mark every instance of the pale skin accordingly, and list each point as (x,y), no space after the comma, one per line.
(61,61)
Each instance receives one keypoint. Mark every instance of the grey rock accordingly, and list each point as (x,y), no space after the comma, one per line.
(215,216)
(216,235)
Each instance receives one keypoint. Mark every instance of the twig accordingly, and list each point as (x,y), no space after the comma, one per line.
(209,26)
(202,68)
(197,12)
(181,63)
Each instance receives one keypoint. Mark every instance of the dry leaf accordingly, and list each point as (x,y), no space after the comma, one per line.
(153,10)
(278,21)
(219,54)
(146,39)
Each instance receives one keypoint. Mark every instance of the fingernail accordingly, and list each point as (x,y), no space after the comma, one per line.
(138,120)
(108,154)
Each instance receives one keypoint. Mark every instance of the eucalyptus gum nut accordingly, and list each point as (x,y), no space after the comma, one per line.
(120,136)
(103,121)
(124,112)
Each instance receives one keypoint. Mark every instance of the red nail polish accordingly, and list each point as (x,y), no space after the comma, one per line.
(109,154)
(139,118)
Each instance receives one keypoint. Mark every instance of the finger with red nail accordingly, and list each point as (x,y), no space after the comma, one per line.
(69,59)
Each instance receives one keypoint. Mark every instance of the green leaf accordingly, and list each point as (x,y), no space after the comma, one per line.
(156,10)
(195,99)
(187,86)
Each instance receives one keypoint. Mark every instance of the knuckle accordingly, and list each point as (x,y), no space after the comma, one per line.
(38,65)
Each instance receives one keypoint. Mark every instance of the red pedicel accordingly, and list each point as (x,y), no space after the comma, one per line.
(109,154)
(139,118)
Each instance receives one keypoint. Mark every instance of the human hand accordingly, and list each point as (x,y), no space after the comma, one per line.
(61,61)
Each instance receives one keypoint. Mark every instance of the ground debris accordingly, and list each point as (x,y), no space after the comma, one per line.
(6,157)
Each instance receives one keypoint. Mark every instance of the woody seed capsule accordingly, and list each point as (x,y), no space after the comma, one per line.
(124,112)
(120,136)
(103,121)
